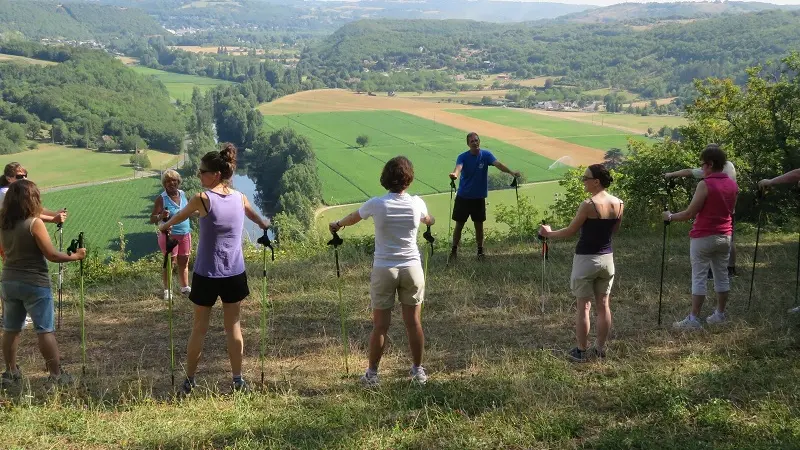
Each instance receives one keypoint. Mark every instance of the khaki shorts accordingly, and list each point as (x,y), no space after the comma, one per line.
(592,275)
(710,251)
(407,282)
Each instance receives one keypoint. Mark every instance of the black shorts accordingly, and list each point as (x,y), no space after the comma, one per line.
(469,207)
(205,290)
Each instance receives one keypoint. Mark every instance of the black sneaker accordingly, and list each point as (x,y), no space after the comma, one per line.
(10,378)
(241,386)
(187,386)
(710,275)
(732,272)
(578,355)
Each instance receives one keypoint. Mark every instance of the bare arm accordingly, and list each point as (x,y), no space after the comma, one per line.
(456,172)
(790,177)
(158,211)
(194,205)
(39,232)
(253,215)
(49,216)
(505,169)
(695,206)
(350,219)
(679,174)
(572,228)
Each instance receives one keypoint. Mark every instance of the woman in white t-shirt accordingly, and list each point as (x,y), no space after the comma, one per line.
(397,267)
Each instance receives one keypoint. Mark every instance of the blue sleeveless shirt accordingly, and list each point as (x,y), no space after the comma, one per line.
(179,229)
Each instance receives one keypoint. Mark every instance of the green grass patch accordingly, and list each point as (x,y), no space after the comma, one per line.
(541,196)
(432,148)
(56,165)
(98,211)
(585,134)
(180,86)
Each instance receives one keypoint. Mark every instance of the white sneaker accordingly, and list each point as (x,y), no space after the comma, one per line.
(716,318)
(688,323)
(166,294)
(370,379)
(186,290)
(419,376)
(794,310)
(28,322)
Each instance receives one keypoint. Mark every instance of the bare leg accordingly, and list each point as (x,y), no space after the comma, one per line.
(233,335)
(582,322)
(183,270)
(697,304)
(381,318)
(416,338)
(457,233)
(722,301)
(603,313)
(479,234)
(10,344)
(49,348)
(202,315)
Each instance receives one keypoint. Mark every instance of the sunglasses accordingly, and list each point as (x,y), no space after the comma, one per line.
(585,178)
(202,171)
(21,176)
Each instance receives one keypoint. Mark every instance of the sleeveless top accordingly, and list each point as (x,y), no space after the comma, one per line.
(219,251)
(182,228)
(25,262)
(715,217)
(596,234)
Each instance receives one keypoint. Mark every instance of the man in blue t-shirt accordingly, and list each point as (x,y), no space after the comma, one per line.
(473,188)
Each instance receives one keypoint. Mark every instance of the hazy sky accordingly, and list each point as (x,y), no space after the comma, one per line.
(613,2)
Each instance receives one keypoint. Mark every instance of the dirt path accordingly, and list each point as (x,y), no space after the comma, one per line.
(341,100)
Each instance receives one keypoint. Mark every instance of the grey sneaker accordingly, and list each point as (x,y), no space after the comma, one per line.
(418,375)
(241,386)
(688,324)
(794,310)
(717,318)
(188,385)
(578,355)
(10,378)
(370,379)
(62,379)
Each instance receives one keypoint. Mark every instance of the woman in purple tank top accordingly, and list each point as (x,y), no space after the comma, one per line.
(598,218)
(219,266)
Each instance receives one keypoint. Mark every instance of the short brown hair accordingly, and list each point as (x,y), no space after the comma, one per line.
(9,171)
(397,175)
(714,156)
(22,202)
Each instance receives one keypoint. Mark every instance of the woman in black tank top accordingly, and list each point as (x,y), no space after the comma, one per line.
(597,219)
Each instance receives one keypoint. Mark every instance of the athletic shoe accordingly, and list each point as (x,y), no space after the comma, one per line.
(62,379)
(794,310)
(28,322)
(596,353)
(732,272)
(186,290)
(166,294)
(188,385)
(241,386)
(418,375)
(370,379)
(10,378)
(710,274)
(716,318)
(578,355)
(688,323)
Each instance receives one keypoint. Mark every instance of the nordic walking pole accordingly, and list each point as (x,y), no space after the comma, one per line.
(667,201)
(428,237)
(515,185)
(450,214)
(60,227)
(170,245)
(545,256)
(73,247)
(336,241)
(759,198)
(265,241)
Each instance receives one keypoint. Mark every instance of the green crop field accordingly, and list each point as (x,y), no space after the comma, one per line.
(587,135)
(637,122)
(98,210)
(351,174)
(541,196)
(180,86)
(56,165)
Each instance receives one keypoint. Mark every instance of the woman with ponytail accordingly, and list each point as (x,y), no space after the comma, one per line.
(219,265)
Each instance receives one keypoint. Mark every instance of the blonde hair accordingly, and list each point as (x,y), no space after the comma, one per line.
(170,174)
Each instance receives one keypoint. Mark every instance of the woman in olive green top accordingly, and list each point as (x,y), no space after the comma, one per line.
(25,280)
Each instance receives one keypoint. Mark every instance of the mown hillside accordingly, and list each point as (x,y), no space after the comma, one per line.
(654,62)
(74,21)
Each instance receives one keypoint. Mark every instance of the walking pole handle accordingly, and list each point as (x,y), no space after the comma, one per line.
(428,236)
(61,225)
(270,235)
(335,240)
(452,183)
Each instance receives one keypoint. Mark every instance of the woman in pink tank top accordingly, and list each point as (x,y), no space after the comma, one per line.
(710,238)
